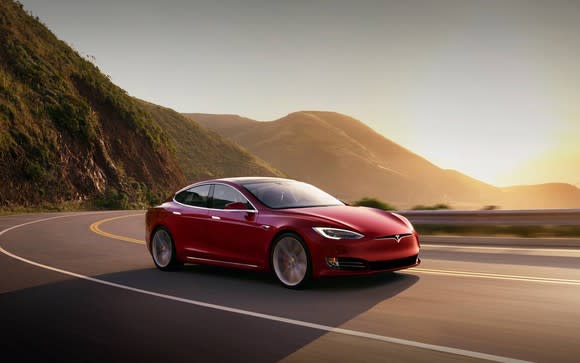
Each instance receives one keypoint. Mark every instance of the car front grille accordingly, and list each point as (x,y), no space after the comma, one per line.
(392,264)
(356,264)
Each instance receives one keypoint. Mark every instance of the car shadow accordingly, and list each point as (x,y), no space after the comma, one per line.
(330,301)
(77,320)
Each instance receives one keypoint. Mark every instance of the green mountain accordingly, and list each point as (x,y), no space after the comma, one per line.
(68,134)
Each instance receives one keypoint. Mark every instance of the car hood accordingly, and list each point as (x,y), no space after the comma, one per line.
(368,221)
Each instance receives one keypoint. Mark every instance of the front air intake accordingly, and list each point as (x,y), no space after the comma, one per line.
(357,264)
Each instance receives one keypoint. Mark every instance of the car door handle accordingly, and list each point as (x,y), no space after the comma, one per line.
(216,218)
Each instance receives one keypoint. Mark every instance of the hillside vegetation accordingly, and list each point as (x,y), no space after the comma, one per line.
(203,153)
(66,132)
(68,135)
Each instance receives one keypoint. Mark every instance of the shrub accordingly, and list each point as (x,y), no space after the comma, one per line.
(74,116)
(34,172)
(374,203)
(490,207)
(438,206)
(112,199)
(152,198)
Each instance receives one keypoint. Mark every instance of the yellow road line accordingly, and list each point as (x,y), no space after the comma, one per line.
(95,227)
(485,275)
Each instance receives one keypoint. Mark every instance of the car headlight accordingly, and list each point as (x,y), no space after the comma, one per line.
(337,233)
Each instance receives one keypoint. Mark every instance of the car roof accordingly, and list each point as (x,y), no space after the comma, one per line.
(250,180)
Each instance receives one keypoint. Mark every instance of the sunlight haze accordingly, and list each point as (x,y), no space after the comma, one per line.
(489,88)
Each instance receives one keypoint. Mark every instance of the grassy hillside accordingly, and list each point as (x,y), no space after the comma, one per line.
(202,153)
(69,136)
(351,160)
(66,132)
(222,124)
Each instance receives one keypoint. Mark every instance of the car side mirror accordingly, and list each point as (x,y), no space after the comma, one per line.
(236,206)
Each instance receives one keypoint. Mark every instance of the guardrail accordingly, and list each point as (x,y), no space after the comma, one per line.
(562,217)
(501,241)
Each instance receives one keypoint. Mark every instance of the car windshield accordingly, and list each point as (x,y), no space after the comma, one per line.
(290,194)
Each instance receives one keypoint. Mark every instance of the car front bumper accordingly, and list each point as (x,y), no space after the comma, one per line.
(364,256)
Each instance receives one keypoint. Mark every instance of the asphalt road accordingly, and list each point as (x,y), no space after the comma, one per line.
(75,290)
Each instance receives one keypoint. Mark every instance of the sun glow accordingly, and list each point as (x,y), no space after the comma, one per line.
(560,162)
(485,112)
(489,144)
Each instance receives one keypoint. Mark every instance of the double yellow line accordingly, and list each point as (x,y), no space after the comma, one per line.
(96,228)
(484,275)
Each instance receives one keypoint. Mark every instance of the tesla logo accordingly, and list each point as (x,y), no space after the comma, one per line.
(396,237)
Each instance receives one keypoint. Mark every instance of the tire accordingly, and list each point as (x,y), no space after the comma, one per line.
(163,250)
(290,261)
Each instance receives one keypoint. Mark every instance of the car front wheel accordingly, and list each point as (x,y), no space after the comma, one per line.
(290,261)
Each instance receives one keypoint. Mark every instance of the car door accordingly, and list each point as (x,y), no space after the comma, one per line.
(234,235)
(192,219)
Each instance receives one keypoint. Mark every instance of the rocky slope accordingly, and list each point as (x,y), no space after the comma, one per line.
(68,134)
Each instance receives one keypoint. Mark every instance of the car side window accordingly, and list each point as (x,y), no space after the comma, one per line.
(196,196)
(224,195)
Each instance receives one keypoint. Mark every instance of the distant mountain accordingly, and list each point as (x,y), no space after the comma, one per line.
(348,158)
(549,195)
(68,134)
(559,162)
(351,160)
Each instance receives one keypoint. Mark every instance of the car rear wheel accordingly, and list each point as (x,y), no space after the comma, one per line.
(290,261)
(163,250)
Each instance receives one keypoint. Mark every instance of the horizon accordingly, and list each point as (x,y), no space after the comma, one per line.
(507,68)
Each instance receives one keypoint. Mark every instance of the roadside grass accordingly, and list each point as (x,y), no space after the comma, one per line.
(112,203)
(62,207)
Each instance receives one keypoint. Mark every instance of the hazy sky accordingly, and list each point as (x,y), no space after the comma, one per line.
(490,88)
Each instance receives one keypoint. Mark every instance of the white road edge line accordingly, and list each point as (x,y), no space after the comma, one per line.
(355,333)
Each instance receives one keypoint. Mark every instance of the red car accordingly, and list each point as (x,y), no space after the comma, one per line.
(270,224)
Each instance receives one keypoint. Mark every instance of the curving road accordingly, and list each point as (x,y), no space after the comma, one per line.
(82,287)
